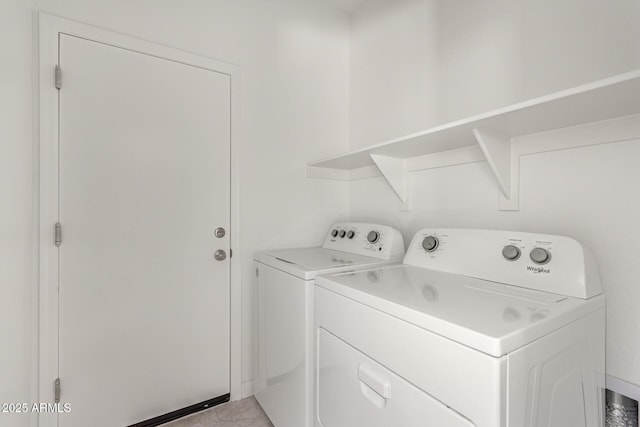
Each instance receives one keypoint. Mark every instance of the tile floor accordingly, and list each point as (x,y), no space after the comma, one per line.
(242,413)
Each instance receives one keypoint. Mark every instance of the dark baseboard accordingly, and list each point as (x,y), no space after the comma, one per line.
(162,419)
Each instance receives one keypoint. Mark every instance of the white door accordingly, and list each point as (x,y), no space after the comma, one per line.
(144,181)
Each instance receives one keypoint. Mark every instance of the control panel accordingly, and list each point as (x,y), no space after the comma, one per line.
(374,240)
(548,263)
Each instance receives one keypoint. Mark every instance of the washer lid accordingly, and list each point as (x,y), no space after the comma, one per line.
(491,317)
(307,262)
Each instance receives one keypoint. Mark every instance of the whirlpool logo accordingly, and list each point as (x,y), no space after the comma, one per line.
(538,270)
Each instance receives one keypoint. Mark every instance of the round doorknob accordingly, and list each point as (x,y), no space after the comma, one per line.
(220,255)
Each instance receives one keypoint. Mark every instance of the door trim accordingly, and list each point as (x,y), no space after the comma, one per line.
(50,27)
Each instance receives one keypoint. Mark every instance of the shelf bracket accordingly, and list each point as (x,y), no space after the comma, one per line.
(497,149)
(394,172)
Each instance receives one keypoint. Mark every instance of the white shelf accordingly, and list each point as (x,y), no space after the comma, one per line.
(610,98)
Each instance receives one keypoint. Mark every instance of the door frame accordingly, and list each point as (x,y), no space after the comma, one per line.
(50,27)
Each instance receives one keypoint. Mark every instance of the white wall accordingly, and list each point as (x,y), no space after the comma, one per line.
(293,58)
(415,63)
(393,69)
(16,250)
(494,53)
(497,52)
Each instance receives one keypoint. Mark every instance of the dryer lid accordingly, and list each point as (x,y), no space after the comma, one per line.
(491,317)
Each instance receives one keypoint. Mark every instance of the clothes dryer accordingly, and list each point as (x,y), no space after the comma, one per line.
(476,328)
(285,282)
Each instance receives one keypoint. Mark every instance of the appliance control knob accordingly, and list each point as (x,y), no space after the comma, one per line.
(511,253)
(350,234)
(342,233)
(373,236)
(540,255)
(430,243)
(334,232)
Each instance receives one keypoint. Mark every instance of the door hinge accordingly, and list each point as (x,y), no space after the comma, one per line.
(230,253)
(56,390)
(58,77)
(257,273)
(57,234)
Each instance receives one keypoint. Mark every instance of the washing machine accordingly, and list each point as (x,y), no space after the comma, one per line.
(285,284)
(476,328)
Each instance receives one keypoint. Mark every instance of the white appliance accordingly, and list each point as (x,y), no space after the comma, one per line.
(476,328)
(285,281)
